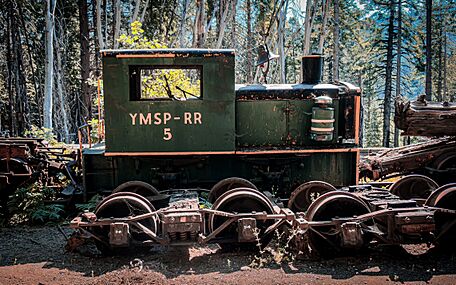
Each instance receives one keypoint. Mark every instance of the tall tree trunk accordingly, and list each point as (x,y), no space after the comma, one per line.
(9,79)
(49,65)
(249,64)
(35,74)
(99,29)
(85,58)
(325,11)
(308,24)
(136,11)
(335,72)
(445,66)
(117,20)
(143,14)
(439,96)
(281,36)
(224,12)
(233,24)
(200,23)
(429,50)
(398,64)
(185,4)
(388,79)
(60,80)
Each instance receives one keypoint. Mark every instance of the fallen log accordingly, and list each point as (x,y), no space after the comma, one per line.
(406,159)
(423,118)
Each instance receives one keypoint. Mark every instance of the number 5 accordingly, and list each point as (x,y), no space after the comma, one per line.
(167,134)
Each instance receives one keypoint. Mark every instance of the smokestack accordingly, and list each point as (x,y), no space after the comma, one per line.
(311,69)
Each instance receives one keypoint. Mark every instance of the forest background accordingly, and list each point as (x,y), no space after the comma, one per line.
(50,61)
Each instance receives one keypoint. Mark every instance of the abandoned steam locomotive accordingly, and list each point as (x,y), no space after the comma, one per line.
(192,157)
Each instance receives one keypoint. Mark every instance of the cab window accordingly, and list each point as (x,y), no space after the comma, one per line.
(165,83)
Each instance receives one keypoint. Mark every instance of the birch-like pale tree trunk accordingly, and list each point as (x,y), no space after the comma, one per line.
(224,12)
(117,21)
(281,36)
(99,30)
(308,24)
(185,5)
(49,65)
(61,92)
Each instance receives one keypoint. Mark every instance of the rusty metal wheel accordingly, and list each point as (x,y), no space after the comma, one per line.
(123,205)
(240,200)
(227,184)
(430,201)
(445,223)
(306,193)
(326,240)
(139,187)
(414,186)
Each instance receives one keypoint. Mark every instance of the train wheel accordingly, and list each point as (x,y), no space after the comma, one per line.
(445,224)
(306,193)
(240,200)
(414,186)
(326,240)
(123,205)
(139,187)
(227,184)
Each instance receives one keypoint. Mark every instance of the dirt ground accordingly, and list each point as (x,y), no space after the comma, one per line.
(37,256)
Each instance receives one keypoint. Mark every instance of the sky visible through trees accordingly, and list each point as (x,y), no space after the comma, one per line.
(50,62)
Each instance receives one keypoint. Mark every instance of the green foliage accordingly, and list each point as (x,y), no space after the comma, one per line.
(160,83)
(90,205)
(42,133)
(137,39)
(28,205)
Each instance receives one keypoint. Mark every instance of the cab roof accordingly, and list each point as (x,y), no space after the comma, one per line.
(169,52)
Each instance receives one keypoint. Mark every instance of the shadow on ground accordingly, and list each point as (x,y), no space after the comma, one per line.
(22,245)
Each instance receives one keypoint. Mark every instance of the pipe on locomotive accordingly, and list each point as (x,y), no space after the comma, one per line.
(312,69)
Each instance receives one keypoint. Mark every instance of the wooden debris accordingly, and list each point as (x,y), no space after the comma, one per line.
(422,118)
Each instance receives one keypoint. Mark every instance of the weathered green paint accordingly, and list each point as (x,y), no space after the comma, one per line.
(276,123)
(105,173)
(248,122)
(215,133)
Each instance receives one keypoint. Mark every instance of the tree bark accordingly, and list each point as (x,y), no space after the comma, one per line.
(61,92)
(335,72)
(233,24)
(99,30)
(398,63)
(281,36)
(388,79)
(323,25)
(428,50)
(49,65)
(308,24)
(117,22)
(84,58)
(249,64)
(136,11)
(143,14)
(185,4)
(224,12)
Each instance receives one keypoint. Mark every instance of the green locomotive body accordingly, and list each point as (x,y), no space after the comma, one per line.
(262,133)
(175,121)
